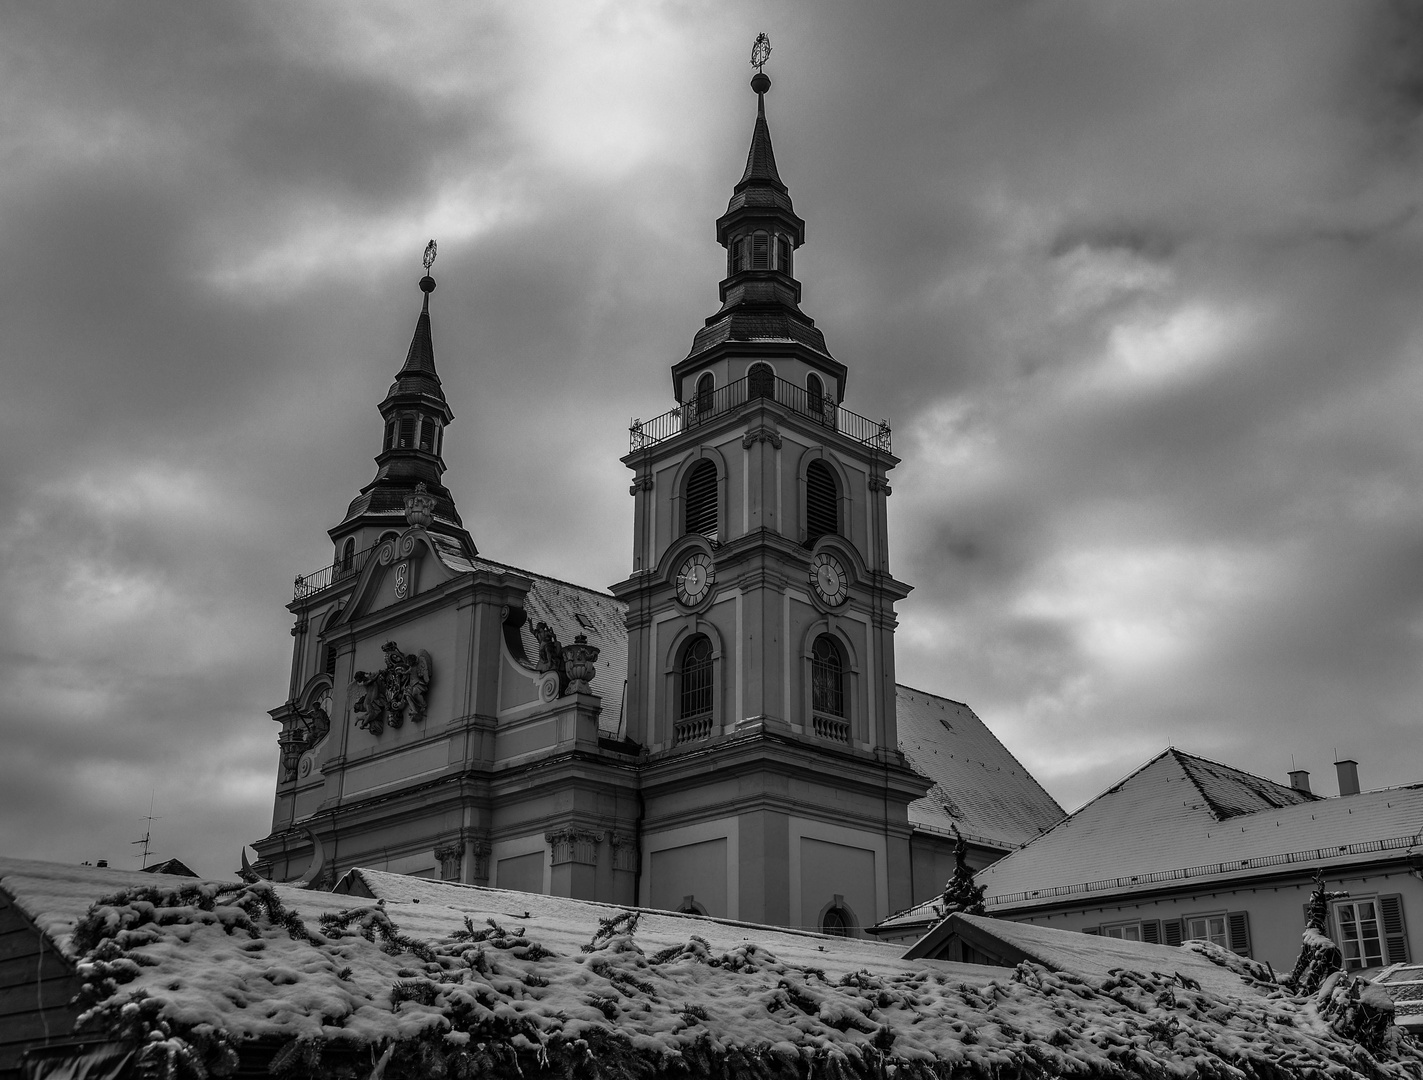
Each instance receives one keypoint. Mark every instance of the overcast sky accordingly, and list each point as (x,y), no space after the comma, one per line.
(1139,287)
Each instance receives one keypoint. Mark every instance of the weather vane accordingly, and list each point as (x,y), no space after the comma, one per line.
(430,250)
(760,51)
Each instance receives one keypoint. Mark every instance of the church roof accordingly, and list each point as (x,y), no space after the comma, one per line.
(436,978)
(979,786)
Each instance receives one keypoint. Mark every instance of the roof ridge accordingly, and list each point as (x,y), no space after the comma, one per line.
(545,577)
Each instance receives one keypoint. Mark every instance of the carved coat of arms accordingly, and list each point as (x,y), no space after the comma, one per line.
(394,692)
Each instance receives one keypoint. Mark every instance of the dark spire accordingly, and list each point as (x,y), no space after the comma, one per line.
(761,159)
(415,415)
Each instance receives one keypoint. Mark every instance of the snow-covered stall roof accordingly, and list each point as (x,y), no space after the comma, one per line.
(474,982)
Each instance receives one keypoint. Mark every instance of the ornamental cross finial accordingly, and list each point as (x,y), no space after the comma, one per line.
(429,255)
(760,51)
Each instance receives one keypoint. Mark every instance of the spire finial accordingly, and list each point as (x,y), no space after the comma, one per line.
(427,283)
(760,53)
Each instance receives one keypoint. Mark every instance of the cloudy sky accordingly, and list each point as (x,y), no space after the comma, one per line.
(1140,288)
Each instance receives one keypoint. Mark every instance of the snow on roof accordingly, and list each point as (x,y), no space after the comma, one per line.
(1085,954)
(978,785)
(470,980)
(1181,817)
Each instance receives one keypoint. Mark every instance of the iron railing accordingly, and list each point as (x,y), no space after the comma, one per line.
(320,580)
(1367,847)
(706,407)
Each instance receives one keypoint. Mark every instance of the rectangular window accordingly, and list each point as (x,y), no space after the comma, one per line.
(1210,928)
(1123,931)
(1359,937)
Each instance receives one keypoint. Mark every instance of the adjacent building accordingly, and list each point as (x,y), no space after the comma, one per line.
(1186,848)
(722,732)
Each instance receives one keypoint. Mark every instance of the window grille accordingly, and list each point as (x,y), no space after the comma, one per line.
(822,503)
(815,396)
(761,381)
(702,500)
(760,251)
(706,386)
(827,677)
(696,678)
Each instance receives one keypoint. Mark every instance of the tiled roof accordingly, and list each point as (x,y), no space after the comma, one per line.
(1180,818)
(979,786)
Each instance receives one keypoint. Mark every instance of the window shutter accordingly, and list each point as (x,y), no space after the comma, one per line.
(1171,933)
(822,503)
(1151,931)
(329,661)
(1239,923)
(1395,931)
(702,500)
(1095,931)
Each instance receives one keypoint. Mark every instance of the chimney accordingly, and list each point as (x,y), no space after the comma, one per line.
(1299,780)
(102,863)
(1348,771)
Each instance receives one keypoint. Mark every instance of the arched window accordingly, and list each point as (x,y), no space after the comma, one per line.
(389,435)
(815,396)
(439,437)
(695,679)
(348,555)
(760,251)
(427,434)
(783,254)
(701,500)
(827,677)
(706,386)
(761,381)
(822,503)
(836,922)
(407,432)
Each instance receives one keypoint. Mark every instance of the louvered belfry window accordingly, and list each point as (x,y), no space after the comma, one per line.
(827,677)
(696,678)
(822,503)
(702,500)
(427,434)
(783,254)
(760,251)
(407,432)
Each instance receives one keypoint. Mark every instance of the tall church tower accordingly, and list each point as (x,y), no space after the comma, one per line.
(761,608)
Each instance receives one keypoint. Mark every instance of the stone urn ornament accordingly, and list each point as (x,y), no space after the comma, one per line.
(420,507)
(580,663)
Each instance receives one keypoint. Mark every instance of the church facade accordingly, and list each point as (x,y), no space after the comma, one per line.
(722,732)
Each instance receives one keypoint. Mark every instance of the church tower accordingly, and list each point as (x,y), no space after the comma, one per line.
(761,608)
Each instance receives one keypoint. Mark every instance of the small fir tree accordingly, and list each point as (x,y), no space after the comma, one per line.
(960,893)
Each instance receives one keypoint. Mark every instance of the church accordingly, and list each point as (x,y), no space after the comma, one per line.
(722,731)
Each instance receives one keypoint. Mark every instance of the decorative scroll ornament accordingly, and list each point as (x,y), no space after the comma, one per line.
(451,857)
(393,693)
(761,434)
(420,504)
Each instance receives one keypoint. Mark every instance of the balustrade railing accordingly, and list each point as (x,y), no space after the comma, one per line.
(828,727)
(704,408)
(698,727)
(320,580)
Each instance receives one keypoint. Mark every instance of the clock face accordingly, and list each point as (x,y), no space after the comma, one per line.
(695,578)
(828,578)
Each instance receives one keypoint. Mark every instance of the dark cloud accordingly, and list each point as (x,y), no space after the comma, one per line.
(1137,287)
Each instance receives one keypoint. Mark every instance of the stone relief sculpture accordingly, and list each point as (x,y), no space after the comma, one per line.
(393,693)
